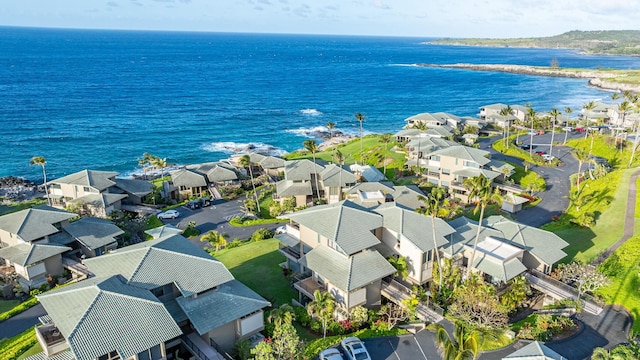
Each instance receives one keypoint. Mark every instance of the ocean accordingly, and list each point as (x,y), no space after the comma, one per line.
(100,99)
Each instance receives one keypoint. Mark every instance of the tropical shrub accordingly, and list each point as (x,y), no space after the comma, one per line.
(261,234)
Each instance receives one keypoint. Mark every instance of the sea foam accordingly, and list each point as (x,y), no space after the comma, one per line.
(312,112)
(230,147)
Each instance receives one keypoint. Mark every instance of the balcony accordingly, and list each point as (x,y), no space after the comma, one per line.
(308,286)
(51,339)
(7,272)
(289,252)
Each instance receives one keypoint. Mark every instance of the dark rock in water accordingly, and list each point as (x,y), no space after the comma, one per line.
(10,181)
(326,135)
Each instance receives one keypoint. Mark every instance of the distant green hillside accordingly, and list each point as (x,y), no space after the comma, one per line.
(612,42)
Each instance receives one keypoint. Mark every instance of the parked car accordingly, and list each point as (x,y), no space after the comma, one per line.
(581,130)
(532,133)
(525,147)
(281,229)
(205,201)
(354,349)
(540,153)
(540,132)
(331,354)
(193,204)
(169,214)
(548,157)
(567,129)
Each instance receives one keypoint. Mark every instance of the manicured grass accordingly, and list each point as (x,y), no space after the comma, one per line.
(622,268)
(637,208)
(37,348)
(256,265)
(12,348)
(6,209)
(603,146)
(153,222)
(6,305)
(608,202)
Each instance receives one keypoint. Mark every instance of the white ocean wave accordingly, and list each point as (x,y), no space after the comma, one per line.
(231,147)
(312,112)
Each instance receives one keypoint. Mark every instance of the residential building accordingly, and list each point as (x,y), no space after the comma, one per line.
(147,301)
(33,242)
(201,179)
(534,351)
(98,191)
(334,180)
(299,181)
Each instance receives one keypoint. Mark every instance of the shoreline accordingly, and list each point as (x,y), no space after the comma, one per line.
(599,79)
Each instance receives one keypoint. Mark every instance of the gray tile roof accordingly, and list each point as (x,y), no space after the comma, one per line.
(228,302)
(347,272)
(35,223)
(163,261)
(135,187)
(100,315)
(408,196)
(61,238)
(472,172)
(99,180)
(351,226)
(287,239)
(384,187)
(534,351)
(188,178)
(465,233)
(93,232)
(465,153)
(163,231)
(497,106)
(300,170)
(65,355)
(101,200)
(220,174)
(415,227)
(289,188)
(26,254)
(545,245)
(272,162)
(369,173)
(503,271)
(330,176)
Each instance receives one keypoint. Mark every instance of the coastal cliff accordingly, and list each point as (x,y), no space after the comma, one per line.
(604,79)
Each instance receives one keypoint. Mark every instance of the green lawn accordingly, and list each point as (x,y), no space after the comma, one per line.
(637,208)
(6,305)
(608,202)
(37,348)
(256,265)
(6,209)
(622,268)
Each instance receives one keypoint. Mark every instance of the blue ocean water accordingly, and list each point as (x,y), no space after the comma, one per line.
(99,99)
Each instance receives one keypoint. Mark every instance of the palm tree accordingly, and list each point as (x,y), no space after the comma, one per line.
(311,146)
(636,103)
(331,125)
(582,157)
(479,187)
(360,119)
(554,113)
(386,139)
(567,111)
(588,107)
(339,158)
(277,315)
(623,107)
(322,306)
(432,206)
(532,116)
(144,161)
(245,161)
(463,346)
(214,238)
(420,126)
(506,112)
(40,160)
(400,264)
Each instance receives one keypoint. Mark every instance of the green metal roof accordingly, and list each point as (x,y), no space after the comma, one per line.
(93,232)
(415,227)
(135,187)
(543,244)
(465,153)
(187,178)
(163,231)
(219,306)
(330,176)
(300,170)
(503,271)
(99,180)
(348,272)
(35,223)
(534,351)
(163,261)
(100,315)
(290,188)
(351,226)
(26,254)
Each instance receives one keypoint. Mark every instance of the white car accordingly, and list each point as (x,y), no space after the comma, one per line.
(548,157)
(331,354)
(169,214)
(567,128)
(354,349)
(281,229)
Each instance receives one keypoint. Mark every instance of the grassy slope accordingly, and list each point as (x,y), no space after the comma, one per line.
(6,305)
(256,265)
(622,268)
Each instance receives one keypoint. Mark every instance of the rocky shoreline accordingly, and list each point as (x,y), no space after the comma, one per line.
(600,79)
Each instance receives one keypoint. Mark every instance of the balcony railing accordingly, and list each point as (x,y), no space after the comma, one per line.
(51,339)
(308,286)
(290,252)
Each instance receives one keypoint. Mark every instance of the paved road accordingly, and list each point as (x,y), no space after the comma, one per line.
(555,197)
(21,322)
(216,217)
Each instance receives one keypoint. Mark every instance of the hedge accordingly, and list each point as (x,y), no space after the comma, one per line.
(12,348)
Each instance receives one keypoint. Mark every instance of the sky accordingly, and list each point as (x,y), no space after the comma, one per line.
(420,18)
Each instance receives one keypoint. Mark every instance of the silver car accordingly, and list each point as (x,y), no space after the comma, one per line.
(354,349)
(331,354)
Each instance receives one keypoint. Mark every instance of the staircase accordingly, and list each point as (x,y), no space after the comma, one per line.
(559,290)
(397,292)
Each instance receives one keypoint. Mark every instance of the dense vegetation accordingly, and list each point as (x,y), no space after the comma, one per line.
(612,42)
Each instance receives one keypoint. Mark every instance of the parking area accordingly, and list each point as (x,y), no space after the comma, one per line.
(216,217)
(399,348)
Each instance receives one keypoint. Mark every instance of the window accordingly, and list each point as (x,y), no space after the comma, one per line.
(435,158)
(86,189)
(470,164)
(426,257)
(334,190)
(56,186)
(444,183)
(110,356)
(446,171)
